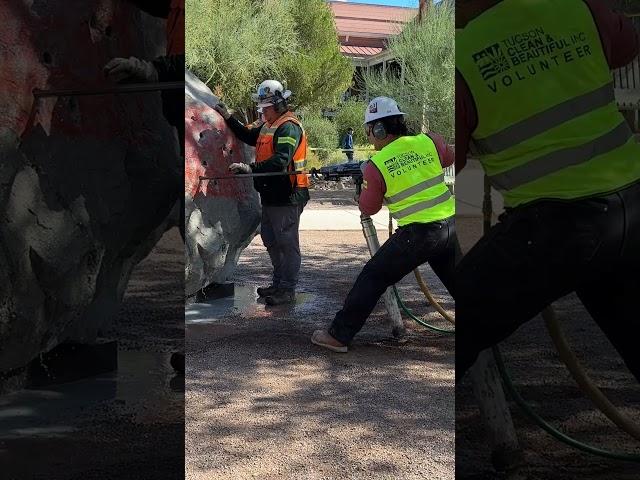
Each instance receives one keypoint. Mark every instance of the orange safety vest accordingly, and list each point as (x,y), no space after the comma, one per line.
(265,149)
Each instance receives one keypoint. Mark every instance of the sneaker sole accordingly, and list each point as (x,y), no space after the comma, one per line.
(333,348)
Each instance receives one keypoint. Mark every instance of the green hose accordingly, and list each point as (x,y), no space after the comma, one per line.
(538,420)
(510,387)
(421,322)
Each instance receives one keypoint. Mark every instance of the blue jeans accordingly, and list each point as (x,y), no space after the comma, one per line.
(279,232)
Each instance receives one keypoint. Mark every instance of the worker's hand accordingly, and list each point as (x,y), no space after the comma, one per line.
(130,69)
(239,168)
(221,108)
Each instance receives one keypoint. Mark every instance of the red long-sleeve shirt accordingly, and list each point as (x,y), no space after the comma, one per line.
(620,43)
(374,186)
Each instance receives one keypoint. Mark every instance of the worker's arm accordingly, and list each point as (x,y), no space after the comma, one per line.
(248,135)
(170,68)
(373,190)
(617,34)
(445,152)
(466,121)
(285,141)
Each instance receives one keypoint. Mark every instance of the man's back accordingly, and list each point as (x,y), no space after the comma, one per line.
(547,124)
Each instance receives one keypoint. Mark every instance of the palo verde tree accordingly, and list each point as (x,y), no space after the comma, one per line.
(232,45)
(426,88)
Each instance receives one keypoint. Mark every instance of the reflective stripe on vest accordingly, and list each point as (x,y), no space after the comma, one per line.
(548,125)
(265,148)
(416,192)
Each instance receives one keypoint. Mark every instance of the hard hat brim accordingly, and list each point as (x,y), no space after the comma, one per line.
(266,103)
(383,116)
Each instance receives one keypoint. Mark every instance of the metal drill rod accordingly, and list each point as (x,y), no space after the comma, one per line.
(251,175)
(116,89)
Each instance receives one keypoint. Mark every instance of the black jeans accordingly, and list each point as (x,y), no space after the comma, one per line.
(541,252)
(408,248)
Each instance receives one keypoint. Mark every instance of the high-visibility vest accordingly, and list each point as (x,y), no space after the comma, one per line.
(265,148)
(416,192)
(548,125)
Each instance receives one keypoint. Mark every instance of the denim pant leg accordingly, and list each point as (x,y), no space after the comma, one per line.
(408,248)
(285,252)
(532,257)
(269,239)
(611,298)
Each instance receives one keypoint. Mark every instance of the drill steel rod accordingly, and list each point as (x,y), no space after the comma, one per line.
(127,88)
(251,175)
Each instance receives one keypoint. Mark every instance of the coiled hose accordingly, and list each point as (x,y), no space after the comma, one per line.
(429,297)
(571,362)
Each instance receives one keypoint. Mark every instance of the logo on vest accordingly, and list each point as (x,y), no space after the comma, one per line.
(491,61)
(527,55)
(407,162)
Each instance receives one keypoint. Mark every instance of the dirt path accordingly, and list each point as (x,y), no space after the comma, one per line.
(545,383)
(263,402)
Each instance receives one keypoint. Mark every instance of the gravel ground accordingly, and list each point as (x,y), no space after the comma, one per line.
(263,402)
(546,384)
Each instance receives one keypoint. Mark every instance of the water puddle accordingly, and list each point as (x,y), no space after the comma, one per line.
(144,389)
(246,302)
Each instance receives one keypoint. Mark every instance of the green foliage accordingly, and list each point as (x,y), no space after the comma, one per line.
(427,91)
(317,73)
(351,114)
(233,45)
(321,133)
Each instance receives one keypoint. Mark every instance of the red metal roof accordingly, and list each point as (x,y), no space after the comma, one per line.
(365,25)
(359,51)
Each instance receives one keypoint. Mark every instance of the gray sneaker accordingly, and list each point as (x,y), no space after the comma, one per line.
(281,296)
(266,291)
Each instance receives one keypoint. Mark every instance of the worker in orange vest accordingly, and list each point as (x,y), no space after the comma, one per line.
(281,146)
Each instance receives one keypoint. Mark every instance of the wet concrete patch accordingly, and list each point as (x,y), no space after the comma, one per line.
(246,303)
(143,389)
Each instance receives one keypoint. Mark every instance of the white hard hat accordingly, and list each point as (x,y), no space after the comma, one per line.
(381,107)
(266,93)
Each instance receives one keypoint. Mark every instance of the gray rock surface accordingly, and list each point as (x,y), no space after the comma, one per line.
(221,216)
(86,182)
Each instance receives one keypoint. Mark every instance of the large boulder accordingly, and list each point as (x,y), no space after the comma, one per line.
(221,216)
(86,182)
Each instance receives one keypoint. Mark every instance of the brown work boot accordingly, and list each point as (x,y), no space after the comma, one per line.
(281,296)
(266,291)
(323,338)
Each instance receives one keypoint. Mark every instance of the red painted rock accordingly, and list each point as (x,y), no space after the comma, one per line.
(221,216)
(86,182)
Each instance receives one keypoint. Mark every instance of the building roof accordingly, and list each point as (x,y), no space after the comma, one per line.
(368,26)
(352,51)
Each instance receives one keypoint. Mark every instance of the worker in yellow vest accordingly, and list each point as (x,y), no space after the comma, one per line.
(535,105)
(407,175)
(281,146)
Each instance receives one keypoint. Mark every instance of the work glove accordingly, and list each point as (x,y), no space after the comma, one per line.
(221,108)
(240,168)
(130,69)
